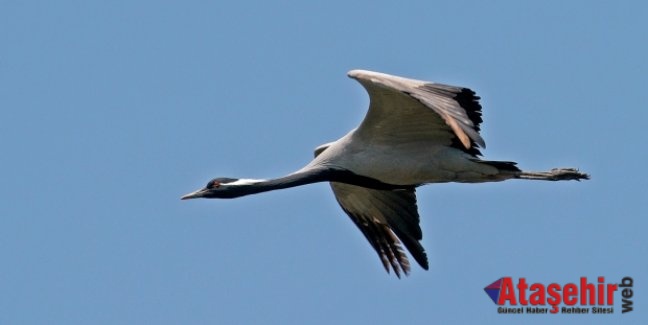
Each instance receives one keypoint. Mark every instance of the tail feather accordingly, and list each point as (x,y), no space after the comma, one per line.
(556,174)
(501,165)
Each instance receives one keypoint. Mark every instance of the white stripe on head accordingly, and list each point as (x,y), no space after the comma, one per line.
(244,181)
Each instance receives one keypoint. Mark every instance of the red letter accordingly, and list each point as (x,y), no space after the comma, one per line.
(569,291)
(538,295)
(522,286)
(601,290)
(611,289)
(584,288)
(553,290)
(506,292)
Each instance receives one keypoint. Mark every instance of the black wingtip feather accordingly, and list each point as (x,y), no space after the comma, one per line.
(386,244)
(469,101)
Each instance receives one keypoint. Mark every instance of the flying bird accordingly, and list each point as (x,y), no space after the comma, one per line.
(415,132)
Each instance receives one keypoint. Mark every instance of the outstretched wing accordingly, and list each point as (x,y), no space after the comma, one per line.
(385,217)
(409,111)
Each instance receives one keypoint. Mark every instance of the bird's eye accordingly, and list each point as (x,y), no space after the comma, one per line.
(213,184)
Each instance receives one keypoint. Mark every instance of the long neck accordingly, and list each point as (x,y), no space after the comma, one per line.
(253,186)
(312,176)
(296,179)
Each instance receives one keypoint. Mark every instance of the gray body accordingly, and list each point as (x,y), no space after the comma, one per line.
(402,141)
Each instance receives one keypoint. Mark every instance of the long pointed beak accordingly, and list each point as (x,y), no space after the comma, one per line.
(193,195)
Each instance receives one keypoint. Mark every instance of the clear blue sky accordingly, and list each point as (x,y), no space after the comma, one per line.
(111,110)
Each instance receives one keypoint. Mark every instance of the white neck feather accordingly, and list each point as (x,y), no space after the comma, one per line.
(245,181)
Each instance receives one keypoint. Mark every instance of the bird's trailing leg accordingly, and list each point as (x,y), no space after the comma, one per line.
(556,174)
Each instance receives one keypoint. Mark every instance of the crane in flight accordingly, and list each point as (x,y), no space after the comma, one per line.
(415,133)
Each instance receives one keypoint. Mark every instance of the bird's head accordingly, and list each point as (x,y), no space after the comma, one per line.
(223,188)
